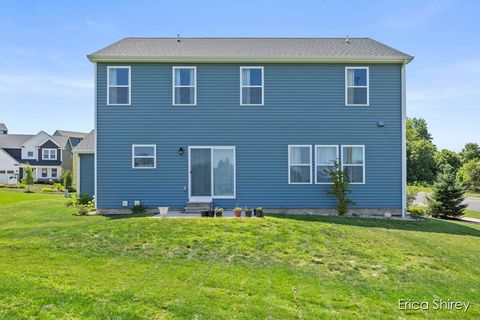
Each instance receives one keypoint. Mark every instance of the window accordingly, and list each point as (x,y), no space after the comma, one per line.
(49,154)
(2,171)
(356,86)
(325,157)
(144,156)
(251,86)
(184,86)
(118,88)
(300,164)
(30,154)
(54,172)
(353,163)
(10,172)
(44,172)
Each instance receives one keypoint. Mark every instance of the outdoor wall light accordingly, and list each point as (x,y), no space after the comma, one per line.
(380,124)
(180,151)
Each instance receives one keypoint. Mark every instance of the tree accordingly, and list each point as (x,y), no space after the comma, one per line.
(417,129)
(448,195)
(471,151)
(469,175)
(444,157)
(67,179)
(421,166)
(28,179)
(340,189)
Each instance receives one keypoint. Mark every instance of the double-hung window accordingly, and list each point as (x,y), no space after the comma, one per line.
(144,156)
(118,85)
(353,163)
(325,158)
(299,164)
(54,173)
(44,172)
(49,154)
(184,86)
(251,86)
(357,86)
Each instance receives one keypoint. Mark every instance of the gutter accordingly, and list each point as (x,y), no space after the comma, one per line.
(404,140)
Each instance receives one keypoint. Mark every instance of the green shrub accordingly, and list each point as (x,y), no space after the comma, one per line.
(448,195)
(84,198)
(67,179)
(139,208)
(417,212)
(340,189)
(21,185)
(71,202)
(469,175)
(48,189)
(82,210)
(411,195)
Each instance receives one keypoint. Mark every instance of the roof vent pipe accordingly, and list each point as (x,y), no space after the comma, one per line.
(178,37)
(347,39)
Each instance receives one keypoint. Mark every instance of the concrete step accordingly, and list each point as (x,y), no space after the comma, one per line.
(197,207)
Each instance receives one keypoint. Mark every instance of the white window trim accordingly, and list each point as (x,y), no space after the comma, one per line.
(316,164)
(347,87)
(41,173)
(194,86)
(242,86)
(51,173)
(119,86)
(154,155)
(212,149)
(49,154)
(290,146)
(364,165)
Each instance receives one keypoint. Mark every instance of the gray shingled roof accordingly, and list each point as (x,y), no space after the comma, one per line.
(70,134)
(244,49)
(87,144)
(15,141)
(3,127)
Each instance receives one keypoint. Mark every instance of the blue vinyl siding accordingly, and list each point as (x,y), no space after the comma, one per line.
(87,174)
(303,104)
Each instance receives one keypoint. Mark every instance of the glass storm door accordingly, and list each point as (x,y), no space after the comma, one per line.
(212,173)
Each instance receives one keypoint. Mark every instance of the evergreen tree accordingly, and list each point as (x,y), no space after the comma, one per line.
(447,195)
(67,179)
(340,189)
(28,178)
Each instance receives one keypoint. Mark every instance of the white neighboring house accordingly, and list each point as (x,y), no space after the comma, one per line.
(47,155)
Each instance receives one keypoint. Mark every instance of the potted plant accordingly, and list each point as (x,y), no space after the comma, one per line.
(211,213)
(163,211)
(204,213)
(248,213)
(259,212)
(237,212)
(218,212)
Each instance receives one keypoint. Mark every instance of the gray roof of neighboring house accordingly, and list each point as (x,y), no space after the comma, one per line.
(3,127)
(70,134)
(12,141)
(87,144)
(255,49)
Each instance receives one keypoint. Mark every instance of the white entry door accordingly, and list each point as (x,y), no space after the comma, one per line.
(211,173)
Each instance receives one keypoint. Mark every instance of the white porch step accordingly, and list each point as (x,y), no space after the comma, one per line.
(194,207)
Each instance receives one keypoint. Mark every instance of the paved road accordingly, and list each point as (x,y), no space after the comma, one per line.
(473,202)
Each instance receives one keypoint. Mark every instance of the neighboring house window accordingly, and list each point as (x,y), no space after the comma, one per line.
(49,154)
(10,171)
(44,173)
(144,156)
(184,86)
(30,154)
(2,171)
(118,88)
(356,86)
(299,164)
(353,163)
(325,157)
(251,86)
(54,173)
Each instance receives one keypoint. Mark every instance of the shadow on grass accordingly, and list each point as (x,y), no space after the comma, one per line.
(428,225)
(128,216)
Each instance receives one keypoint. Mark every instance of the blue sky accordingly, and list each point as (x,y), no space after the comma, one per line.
(46,82)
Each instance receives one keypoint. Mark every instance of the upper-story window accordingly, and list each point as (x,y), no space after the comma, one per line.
(49,154)
(30,154)
(353,163)
(251,86)
(118,85)
(144,156)
(325,158)
(184,86)
(299,164)
(356,86)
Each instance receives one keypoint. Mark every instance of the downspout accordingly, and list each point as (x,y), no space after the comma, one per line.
(95,135)
(404,142)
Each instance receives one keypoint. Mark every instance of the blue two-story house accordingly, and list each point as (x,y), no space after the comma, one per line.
(248,122)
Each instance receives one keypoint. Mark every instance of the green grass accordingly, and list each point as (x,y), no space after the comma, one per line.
(472,214)
(54,265)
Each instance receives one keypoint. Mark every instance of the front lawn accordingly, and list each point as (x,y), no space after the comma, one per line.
(472,214)
(54,265)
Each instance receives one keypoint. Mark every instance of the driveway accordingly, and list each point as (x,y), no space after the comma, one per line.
(473,202)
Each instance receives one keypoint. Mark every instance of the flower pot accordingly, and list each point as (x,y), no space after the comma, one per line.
(258,213)
(237,213)
(163,211)
(211,213)
(248,213)
(219,214)
(204,213)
